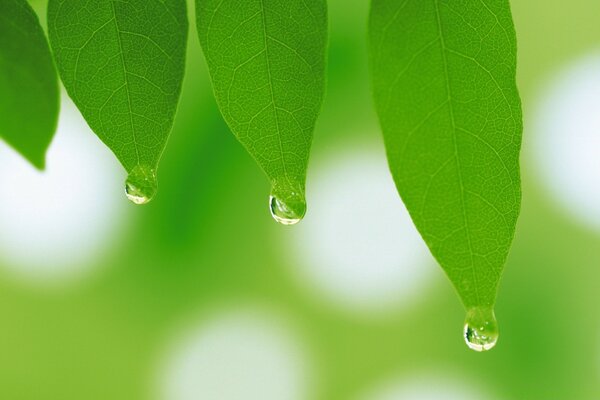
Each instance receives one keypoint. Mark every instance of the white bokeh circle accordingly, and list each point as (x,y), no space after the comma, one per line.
(426,387)
(249,355)
(357,245)
(567,139)
(55,223)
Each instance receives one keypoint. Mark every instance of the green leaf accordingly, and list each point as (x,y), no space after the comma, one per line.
(29,97)
(122,63)
(444,85)
(267,63)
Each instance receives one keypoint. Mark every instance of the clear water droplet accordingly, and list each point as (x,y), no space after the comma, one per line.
(281,213)
(141,185)
(481,329)
(287,204)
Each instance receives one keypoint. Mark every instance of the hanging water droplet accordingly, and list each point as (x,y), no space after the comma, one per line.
(481,329)
(287,205)
(282,213)
(141,184)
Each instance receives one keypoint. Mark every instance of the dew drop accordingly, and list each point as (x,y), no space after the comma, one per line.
(287,205)
(282,213)
(481,329)
(141,184)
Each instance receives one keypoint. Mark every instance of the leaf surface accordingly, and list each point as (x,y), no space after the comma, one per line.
(29,97)
(444,85)
(267,63)
(122,63)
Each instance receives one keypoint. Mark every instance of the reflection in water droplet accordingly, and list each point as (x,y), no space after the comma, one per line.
(141,184)
(287,204)
(281,213)
(481,329)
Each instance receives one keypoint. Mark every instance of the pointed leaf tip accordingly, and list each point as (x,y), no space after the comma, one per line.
(122,63)
(267,64)
(444,84)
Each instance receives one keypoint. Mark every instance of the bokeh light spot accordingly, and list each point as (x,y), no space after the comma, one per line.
(567,140)
(237,355)
(426,388)
(56,223)
(357,245)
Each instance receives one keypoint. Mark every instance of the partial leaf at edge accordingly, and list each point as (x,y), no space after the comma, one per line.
(444,85)
(29,97)
(267,64)
(122,63)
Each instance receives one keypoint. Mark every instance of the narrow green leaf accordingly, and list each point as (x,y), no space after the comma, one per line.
(267,63)
(445,92)
(122,63)
(29,97)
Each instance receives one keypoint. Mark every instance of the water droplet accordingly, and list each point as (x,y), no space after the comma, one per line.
(282,213)
(481,329)
(141,184)
(287,205)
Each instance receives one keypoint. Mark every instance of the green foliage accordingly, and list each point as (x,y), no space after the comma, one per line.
(123,64)
(444,84)
(29,99)
(267,63)
(445,92)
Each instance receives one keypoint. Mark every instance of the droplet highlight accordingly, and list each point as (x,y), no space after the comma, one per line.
(481,329)
(141,185)
(287,205)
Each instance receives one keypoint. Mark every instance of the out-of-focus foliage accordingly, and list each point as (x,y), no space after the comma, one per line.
(28,82)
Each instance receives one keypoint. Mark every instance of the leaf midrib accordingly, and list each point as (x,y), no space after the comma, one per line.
(268,62)
(454,139)
(122,57)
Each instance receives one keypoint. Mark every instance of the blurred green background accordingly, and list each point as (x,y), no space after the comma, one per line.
(200,295)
